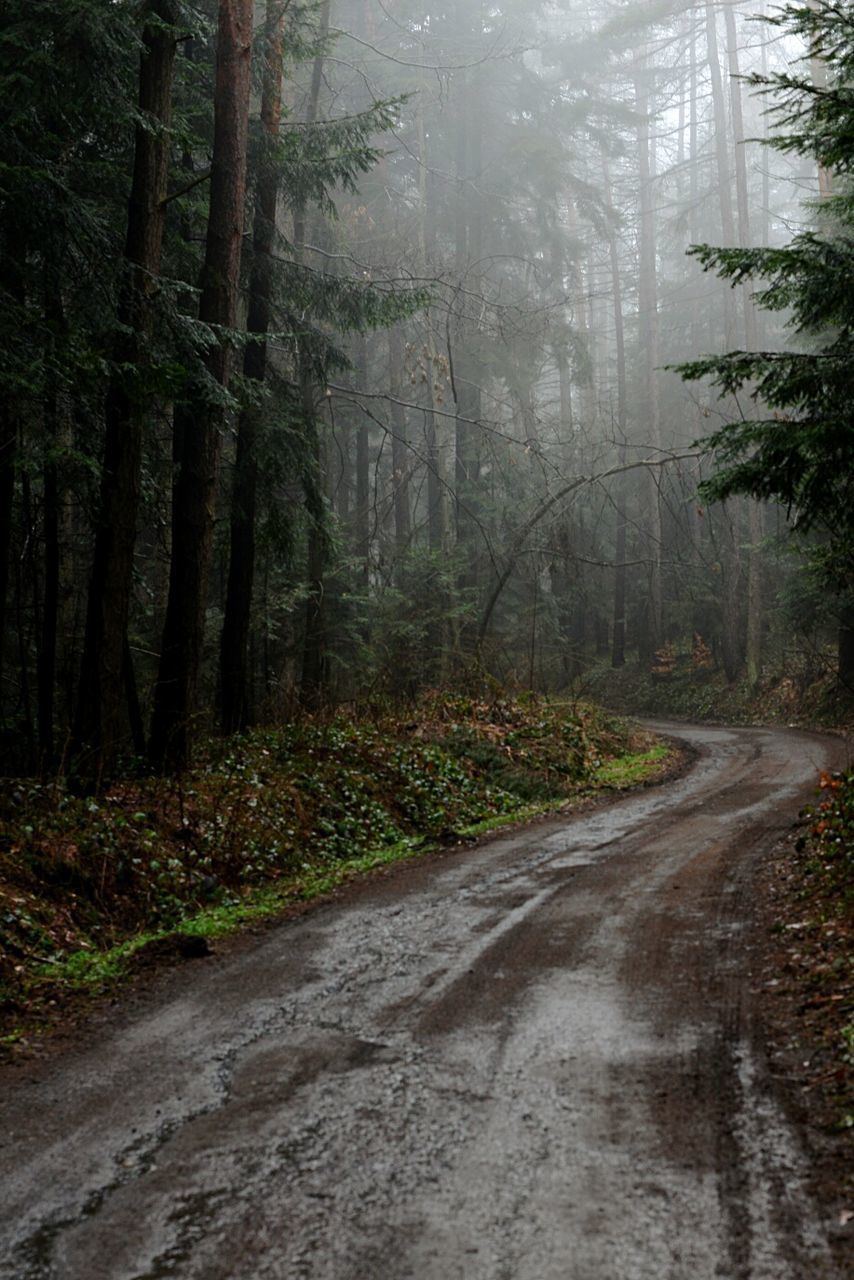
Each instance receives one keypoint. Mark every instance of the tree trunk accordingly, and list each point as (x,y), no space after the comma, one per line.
(468,252)
(12,286)
(845,649)
(400,460)
(721,162)
(46,683)
(741,189)
(649,333)
(314,653)
(234,646)
(100,705)
(618,638)
(194,492)
(754,593)
(8,449)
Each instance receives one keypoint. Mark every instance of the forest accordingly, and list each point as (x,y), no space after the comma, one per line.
(354,350)
(426,438)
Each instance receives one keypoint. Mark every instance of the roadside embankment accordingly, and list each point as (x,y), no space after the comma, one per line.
(91,886)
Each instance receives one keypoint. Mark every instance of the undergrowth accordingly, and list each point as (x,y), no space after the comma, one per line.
(679,687)
(274,815)
(827,892)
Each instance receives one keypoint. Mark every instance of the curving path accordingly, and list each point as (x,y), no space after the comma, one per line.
(530,1060)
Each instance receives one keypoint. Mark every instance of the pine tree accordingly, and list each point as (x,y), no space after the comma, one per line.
(800,451)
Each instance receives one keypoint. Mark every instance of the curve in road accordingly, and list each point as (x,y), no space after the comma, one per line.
(530,1060)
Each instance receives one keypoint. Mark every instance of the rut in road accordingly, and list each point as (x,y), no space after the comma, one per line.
(524,1061)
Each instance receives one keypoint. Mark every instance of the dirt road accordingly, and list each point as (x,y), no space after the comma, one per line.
(530,1060)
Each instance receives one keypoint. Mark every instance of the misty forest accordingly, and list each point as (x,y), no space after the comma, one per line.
(385,392)
(354,350)
(415,422)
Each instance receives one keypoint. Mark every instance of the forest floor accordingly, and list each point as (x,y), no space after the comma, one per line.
(94,889)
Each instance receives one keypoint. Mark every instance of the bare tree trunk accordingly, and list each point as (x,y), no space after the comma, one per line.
(426,238)
(754,593)
(741,188)
(235,690)
(649,332)
(618,639)
(194,492)
(399,445)
(100,705)
(721,160)
(468,253)
(753,648)
(363,477)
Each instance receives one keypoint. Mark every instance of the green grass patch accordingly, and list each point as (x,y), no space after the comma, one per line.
(632,769)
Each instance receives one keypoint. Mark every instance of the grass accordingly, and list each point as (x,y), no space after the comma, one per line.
(632,769)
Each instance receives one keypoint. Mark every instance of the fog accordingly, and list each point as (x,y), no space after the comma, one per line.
(515,464)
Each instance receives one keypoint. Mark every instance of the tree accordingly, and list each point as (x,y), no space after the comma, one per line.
(98,729)
(198,424)
(800,451)
(234,643)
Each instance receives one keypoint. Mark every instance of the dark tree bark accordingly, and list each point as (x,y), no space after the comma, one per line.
(56,442)
(8,449)
(234,646)
(11,287)
(314,654)
(845,650)
(46,674)
(100,707)
(194,492)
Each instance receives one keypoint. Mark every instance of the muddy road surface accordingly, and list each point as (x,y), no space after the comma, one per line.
(528,1060)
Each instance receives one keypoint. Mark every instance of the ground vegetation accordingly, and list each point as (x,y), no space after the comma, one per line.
(277,816)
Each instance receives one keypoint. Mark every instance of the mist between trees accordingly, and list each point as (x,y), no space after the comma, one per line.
(336,358)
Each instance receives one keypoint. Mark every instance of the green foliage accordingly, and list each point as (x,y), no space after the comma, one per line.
(800,451)
(66,71)
(628,771)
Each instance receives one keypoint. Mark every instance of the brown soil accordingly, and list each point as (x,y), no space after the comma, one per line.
(803,989)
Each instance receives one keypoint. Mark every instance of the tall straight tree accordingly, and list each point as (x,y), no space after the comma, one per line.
(234,646)
(98,728)
(618,645)
(314,658)
(199,420)
(649,335)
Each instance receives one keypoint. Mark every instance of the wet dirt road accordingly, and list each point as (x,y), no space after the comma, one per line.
(529,1060)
